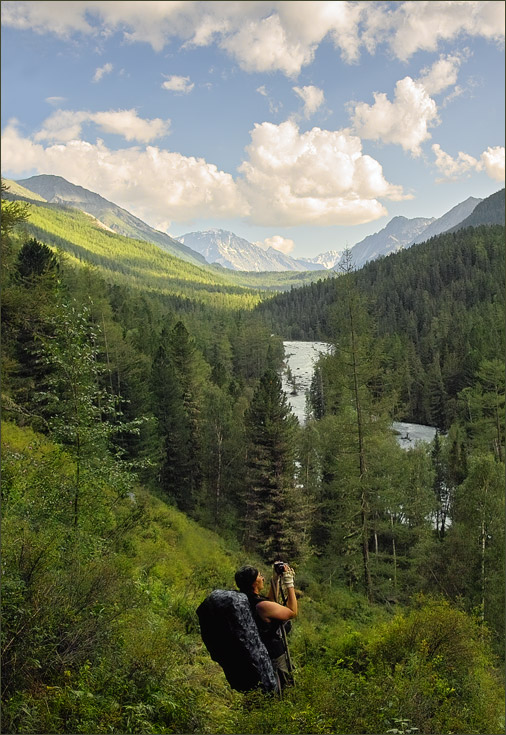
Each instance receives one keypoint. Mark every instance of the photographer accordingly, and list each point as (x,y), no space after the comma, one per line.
(269,615)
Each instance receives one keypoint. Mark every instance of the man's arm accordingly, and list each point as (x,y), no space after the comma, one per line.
(270,610)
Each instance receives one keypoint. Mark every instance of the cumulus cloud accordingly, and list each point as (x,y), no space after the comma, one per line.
(101,71)
(268,36)
(312,97)
(62,126)
(318,177)
(155,184)
(66,125)
(176,83)
(412,26)
(132,127)
(404,121)
(491,161)
(453,168)
(441,75)
(277,242)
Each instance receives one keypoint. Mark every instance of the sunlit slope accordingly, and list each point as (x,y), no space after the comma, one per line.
(133,262)
(17,191)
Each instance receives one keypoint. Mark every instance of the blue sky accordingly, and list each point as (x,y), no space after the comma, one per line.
(302,125)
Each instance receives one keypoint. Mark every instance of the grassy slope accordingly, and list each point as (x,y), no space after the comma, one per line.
(359,670)
(275,280)
(20,191)
(133,262)
(64,218)
(146,266)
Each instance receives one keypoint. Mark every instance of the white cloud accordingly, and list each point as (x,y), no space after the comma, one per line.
(453,168)
(284,36)
(277,242)
(312,97)
(442,74)
(132,127)
(62,126)
(319,177)
(55,100)
(66,125)
(404,121)
(268,36)
(156,185)
(101,71)
(408,27)
(491,161)
(178,84)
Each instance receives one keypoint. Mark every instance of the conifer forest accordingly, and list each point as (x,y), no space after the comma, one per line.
(148,451)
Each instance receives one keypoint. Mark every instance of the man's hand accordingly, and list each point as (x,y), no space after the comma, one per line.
(288,576)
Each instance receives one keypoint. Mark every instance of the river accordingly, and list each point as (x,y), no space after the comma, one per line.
(300,359)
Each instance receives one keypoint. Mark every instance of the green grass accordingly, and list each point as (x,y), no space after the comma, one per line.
(359,669)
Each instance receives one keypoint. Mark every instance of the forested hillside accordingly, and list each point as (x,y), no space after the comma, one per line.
(57,190)
(437,308)
(148,451)
(138,256)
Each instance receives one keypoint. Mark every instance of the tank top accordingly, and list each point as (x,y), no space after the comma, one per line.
(270,632)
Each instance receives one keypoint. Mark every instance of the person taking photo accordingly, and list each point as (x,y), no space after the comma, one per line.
(270,617)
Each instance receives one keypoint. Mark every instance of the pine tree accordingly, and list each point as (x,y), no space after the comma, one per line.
(174,462)
(276,516)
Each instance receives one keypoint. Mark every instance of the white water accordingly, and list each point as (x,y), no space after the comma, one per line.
(301,357)
(410,434)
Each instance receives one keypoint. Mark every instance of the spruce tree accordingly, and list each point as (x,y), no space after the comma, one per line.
(276,514)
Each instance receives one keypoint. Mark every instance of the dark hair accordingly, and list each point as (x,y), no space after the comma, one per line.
(245,576)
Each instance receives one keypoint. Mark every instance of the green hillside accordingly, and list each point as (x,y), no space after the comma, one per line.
(57,190)
(133,262)
(438,307)
(130,261)
(110,639)
(491,211)
(16,191)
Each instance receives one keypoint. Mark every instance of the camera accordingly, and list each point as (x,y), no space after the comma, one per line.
(279,567)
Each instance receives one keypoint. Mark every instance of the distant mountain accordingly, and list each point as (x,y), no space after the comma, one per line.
(489,211)
(452,218)
(328,260)
(234,252)
(57,190)
(398,234)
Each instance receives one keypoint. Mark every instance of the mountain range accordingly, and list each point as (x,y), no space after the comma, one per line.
(57,190)
(232,252)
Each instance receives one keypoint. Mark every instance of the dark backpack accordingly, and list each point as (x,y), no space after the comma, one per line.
(231,636)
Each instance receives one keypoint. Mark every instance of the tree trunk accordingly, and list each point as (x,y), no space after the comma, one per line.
(219,439)
(394,554)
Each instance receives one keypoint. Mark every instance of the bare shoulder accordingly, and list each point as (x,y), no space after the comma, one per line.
(268,610)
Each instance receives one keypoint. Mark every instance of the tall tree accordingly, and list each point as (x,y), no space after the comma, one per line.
(82,415)
(276,514)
